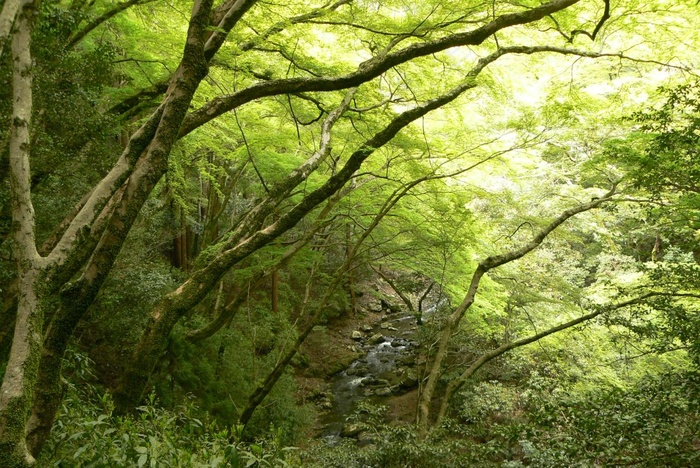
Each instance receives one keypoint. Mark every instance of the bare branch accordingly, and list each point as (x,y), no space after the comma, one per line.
(225,24)
(592,36)
(80,35)
(305,18)
(406,300)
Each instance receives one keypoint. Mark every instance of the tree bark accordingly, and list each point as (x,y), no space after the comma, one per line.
(9,12)
(16,390)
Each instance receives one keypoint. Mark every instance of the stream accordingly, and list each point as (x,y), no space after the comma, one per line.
(386,369)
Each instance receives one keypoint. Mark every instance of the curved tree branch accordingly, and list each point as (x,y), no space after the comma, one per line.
(456,384)
(130,103)
(109,14)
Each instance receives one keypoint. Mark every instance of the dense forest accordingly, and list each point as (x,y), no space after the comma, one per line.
(349,233)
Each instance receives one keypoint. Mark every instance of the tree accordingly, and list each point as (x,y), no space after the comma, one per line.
(58,282)
(482,269)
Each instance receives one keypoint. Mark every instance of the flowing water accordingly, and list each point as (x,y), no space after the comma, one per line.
(383,371)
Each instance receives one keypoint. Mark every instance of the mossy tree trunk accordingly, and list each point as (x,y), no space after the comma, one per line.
(148,169)
(18,382)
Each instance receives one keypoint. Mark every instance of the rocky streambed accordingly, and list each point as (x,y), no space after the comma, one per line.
(388,368)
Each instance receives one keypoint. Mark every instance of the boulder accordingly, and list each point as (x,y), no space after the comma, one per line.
(393,379)
(366,328)
(390,308)
(350,430)
(369,380)
(357,335)
(374,305)
(407,360)
(383,391)
(410,380)
(376,338)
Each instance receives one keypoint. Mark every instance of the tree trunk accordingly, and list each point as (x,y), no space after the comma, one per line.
(268,384)
(8,13)
(351,277)
(426,396)
(16,391)
(153,147)
(48,392)
(20,374)
(275,290)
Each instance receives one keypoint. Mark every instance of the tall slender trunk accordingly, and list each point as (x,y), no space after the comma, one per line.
(351,277)
(20,374)
(426,397)
(275,299)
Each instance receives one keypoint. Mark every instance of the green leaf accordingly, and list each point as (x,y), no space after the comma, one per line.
(80,450)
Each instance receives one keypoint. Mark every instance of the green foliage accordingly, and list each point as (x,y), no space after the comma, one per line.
(436,233)
(655,423)
(392,446)
(666,156)
(220,373)
(86,434)
(652,423)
